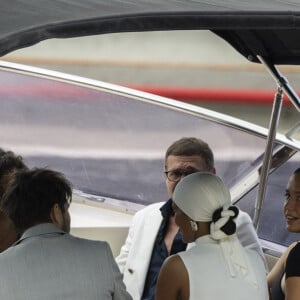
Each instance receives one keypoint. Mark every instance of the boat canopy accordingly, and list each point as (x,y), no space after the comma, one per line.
(265,28)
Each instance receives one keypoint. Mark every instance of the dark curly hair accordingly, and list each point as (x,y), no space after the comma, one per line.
(9,162)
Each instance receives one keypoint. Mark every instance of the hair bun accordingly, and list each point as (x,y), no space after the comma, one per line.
(231,213)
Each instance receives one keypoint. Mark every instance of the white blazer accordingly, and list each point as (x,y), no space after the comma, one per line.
(135,254)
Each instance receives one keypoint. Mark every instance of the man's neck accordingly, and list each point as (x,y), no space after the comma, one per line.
(172,230)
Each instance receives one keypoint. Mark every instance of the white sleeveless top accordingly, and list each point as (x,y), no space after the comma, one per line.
(210,279)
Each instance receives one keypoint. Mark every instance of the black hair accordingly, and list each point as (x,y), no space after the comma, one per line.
(31,194)
(230,227)
(9,162)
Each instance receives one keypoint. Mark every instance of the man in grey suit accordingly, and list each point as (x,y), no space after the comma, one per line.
(47,262)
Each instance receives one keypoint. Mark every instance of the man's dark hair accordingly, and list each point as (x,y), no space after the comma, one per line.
(9,162)
(31,194)
(2,151)
(190,146)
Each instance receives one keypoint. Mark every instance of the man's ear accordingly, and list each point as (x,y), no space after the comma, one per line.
(56,215)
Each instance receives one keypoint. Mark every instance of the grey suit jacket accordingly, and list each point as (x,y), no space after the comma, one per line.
(47,263)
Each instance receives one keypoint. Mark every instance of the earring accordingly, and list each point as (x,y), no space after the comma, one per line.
(194,225)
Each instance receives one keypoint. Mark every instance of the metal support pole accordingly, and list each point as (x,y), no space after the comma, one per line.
(281,82)
(264,171)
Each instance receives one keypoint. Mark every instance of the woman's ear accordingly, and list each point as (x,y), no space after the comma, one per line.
(56,215)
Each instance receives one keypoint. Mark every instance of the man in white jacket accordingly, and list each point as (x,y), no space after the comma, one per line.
(153,234)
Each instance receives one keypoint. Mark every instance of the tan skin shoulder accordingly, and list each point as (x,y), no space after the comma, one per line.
(292,288)
(292,284)
(173,280)
(279,267)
